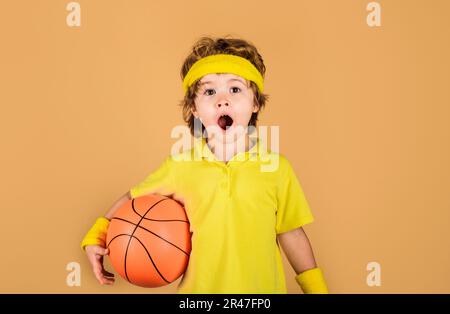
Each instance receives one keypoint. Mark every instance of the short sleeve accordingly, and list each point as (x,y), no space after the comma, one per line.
(159,181)
(293,210)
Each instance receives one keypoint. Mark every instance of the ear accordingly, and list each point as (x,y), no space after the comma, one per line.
(255,108)
(194,112)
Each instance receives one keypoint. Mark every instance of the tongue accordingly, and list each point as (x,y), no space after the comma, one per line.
(225,121)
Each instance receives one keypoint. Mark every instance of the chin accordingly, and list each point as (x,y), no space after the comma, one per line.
(226,136)
(233,134)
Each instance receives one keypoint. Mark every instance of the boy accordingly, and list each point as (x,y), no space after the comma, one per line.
(238,212)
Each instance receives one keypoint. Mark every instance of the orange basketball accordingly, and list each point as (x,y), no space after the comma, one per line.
(149,241)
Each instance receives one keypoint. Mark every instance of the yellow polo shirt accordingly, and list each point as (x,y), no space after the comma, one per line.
(235,210)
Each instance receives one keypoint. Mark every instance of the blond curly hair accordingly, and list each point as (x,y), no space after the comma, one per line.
(207,46)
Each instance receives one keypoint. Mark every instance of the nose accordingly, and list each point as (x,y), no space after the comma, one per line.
(222,103)
(222,99)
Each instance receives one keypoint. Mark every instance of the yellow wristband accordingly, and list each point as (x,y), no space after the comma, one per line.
(97,234)
(312,281)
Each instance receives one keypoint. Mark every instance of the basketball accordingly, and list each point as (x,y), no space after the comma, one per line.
(149,241)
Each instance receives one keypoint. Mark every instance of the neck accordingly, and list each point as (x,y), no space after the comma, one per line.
(226,151)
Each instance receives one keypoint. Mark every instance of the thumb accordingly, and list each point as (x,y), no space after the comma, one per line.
(101,250)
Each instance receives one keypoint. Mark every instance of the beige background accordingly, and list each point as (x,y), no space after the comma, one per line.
(86,113)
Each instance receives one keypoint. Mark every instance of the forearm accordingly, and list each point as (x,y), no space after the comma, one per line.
(298,250)
(122,200)
(97,234)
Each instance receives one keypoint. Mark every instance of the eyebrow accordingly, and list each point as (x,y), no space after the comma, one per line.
(232,79)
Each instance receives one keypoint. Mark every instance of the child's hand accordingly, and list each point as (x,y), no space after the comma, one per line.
(95,255)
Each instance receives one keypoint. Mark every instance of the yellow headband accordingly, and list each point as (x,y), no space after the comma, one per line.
(223,63)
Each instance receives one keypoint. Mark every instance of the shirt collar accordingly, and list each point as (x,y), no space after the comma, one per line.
(257,152)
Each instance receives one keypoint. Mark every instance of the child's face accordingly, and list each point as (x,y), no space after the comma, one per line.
(224,102)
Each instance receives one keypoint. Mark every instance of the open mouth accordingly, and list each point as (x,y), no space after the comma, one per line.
(225,122)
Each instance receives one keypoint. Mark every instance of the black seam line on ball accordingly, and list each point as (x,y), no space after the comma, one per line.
(132,234)
(148,253)
(157,235)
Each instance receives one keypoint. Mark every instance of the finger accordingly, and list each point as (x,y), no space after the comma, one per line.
(95,262)
(98,276)
(100,250)
(107,273)
(102,279)
(97,269)
(108,281)
(99,257)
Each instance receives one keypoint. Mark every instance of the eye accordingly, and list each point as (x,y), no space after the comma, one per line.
(209,90)
(235,89)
